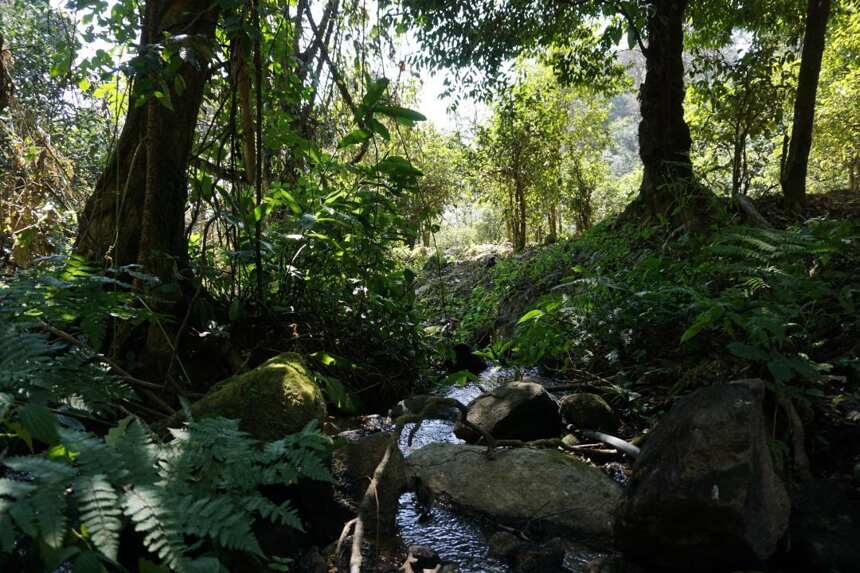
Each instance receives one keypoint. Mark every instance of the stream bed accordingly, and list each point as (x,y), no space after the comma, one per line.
(455,536)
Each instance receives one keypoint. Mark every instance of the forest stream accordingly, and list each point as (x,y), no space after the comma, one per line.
(458,536)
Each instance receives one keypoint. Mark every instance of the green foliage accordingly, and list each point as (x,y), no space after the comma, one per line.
(622,304)
(191,500)
(68,494)
(539,160)
(785,293)
(835,158)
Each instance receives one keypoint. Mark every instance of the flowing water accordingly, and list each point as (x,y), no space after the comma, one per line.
(456,537)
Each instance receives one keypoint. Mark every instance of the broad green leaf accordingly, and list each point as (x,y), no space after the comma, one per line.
(401,114)
(531,315)
(355,137)
(397,166)
(379,128)
(40,422)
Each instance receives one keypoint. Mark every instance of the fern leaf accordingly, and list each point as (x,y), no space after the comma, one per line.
(100,512)
(145,507)
(138,455)
(49,503)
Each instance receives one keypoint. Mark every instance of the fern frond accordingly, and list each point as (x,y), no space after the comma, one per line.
(284,513)
(220,519)
(137,453)
(145,507)
(49,503)
(100,512)
(94,456)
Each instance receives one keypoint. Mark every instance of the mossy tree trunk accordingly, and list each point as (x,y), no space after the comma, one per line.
(136,214)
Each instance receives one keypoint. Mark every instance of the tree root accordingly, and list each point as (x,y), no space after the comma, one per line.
(798,439)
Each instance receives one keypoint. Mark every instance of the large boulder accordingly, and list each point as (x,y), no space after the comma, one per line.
(704,493)
(277,398)
(516,411)
(521,484)
(588,412)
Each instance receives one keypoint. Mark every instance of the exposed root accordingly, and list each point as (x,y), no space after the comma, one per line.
(798,439)
(431,410)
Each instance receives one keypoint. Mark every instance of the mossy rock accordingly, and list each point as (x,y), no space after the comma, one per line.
(588,411)
(277,398)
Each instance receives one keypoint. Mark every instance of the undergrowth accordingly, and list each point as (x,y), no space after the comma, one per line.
(632,310)
(85,484)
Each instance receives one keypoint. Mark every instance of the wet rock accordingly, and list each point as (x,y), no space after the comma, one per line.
(544,487)
(704,490)
(277,398)
(570,440)
(419,403)
(613,564)
(546,558)
(421,557)
(517,411)
(503,544)
(526,557)
(825,527)
(588,412)
(355,464)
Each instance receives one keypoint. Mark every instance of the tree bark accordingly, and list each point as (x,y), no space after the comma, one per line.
(854,175)
(797,162)
(114,230)
(668,185)
(520,219)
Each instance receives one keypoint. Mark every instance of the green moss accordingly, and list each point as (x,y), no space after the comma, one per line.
(277,398)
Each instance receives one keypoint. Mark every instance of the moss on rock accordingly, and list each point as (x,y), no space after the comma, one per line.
(277,398)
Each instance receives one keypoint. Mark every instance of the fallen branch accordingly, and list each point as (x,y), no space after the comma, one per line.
(625,447)
(750,211)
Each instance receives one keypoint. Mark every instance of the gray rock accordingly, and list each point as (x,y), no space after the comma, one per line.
(503,544)
(542,486)
(546,558)
(588,412)
(421,557)
(704,490)
(516,411)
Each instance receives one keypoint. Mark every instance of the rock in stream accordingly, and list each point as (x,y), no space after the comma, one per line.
(521,485)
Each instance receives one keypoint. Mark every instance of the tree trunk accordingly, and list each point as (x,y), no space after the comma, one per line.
(520,225)
(136,215)
(552,223)
(668,186)
(121,224)
(854,175)
(797,162)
